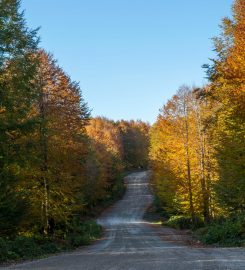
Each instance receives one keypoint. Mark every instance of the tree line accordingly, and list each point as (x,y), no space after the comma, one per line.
(197,148)
(57,163)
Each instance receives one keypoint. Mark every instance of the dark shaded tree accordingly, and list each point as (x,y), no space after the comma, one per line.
(17,93)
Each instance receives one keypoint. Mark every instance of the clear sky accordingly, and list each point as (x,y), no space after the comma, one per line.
(130,56)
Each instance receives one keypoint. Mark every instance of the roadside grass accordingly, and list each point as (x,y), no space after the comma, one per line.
(220,232)
(226,232)
(35,246)
(182,222)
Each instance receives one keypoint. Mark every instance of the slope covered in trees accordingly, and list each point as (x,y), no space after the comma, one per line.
(197,144)
(57,164)
(135,139)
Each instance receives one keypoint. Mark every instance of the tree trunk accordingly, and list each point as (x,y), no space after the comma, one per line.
(188,162)
(205,192)
(44,161)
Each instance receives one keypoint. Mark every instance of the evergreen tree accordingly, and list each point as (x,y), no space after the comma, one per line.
(17,94)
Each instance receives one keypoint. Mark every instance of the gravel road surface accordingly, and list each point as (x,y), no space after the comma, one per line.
(130,243)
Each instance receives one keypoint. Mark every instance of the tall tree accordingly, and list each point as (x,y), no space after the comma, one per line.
(227,92)
(56,177)
(179,155)
(107,150)
(17,94)
(135,139)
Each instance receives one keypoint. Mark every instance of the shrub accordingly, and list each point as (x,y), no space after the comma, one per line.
(26,247)
(93,229)
(30,246)
(3,249)
(184,222)
(82,233)
(49,247)
(225,232)
(77,240)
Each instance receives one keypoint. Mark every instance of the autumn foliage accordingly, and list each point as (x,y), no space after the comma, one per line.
(58,165)
(197,144)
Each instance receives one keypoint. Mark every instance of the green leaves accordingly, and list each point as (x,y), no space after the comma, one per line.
(17,94)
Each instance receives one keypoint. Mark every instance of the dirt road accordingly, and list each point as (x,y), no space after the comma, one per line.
(130,243)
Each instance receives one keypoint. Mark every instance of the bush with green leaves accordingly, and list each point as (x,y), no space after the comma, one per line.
(31,246)
(224,232)
(184,222)
(26,247)
(83,233)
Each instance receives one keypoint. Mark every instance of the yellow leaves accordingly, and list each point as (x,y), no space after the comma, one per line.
(107,133)
(2,110)
(176,147)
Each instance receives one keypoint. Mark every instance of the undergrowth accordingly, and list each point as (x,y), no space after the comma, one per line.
(27,246)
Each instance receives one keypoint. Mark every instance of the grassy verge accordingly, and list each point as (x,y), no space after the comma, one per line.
(228,232)
(35,246)
(182,222)
(222,232)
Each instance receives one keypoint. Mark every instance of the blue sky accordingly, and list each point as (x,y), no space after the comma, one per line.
(130,56)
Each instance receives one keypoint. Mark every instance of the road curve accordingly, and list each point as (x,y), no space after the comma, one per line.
(130,243)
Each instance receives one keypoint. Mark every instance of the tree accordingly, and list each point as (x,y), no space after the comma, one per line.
(135,139)
(17,94)
(106,152)
(56,177)
(227,94)
(179,155)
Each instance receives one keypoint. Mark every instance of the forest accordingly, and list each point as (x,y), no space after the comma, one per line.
(60,167)
(197,148)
